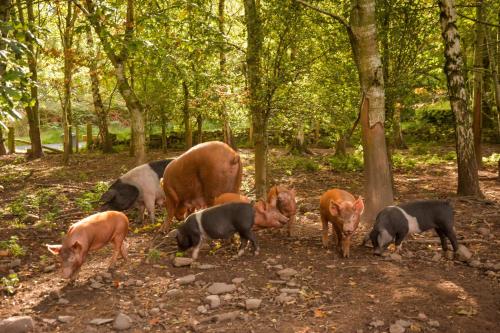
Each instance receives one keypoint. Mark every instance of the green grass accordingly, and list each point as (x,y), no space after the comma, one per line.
(13,246)
(492,160)
(9,283)
(89,199)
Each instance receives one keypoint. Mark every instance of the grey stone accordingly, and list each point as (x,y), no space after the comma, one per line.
(139,283)
(154,311)
(278,266)
(107,275)
(221,288)
(101,321)
(463,253)
(17,324)
(484,231)
(202,309)
(376,323)
(182,261)
(396,328)
(252,303)
(48,269)
(213,301)
(422,316)
(15,263)
(433,323)
(237,280)
(437,257)
(404,323)
(226,316)
(173,292)
(186,279)
(290,290)
(227,297)
(49,321)
(65,319)
(395,257)
(277,282)
(283,298)
(206,266)
(96,285)
(122,322)
(63,301)
(475,263)
(287,273)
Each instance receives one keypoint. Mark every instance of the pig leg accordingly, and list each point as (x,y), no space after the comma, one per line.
(398,242)
(290,224)
(324,238)
(141,208)
(346,244)
(124,250)
(338,232)
(117,250)
(450,234)
(150,206)
(243,245)
(171,206)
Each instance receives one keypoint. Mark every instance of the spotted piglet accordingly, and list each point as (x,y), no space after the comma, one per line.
(394,223)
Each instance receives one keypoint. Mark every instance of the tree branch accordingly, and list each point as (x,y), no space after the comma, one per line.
(319,10)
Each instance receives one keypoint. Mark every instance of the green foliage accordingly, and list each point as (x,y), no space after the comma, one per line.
(349,162)
(13,246)
(492,160)
(87,201)
(9,283)
(179,254)
(154,255)
(291,163)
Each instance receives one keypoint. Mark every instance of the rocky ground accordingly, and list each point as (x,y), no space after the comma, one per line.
(294,285)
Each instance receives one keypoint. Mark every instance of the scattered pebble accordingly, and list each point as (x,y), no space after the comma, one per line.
(287,273)
(475,263)
(484,231)
(122,322)
(283,298)
(100,321)
(202,309)
(396,328)
(433,323)
(172,292)
(213,301)
(139,283)
(63,301)
(404,323)
(278,266)
(422,316)
(186,279)
(376,323)
(17,324)
(48,269)
(252,303)
(437,257)
(65,319)
(225,316)
(395,257)
(227,297)
(276,282)
(237,280)
(107,275)
(463,253)
(154,311)
(289,290)
(221,288)
(96,285)
(49,321)
(182,261)
(15,263)
(206,266)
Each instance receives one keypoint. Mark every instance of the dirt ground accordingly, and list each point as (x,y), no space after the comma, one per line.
(363,293)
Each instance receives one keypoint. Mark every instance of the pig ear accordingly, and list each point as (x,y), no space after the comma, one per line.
(359,205)
(334,208)
(54,249)
(77,246)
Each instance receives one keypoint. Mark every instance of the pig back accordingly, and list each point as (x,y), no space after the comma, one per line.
(202,173)
(230,197)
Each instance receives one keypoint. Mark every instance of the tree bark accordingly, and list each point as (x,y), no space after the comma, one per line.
(468,183)
(32,111)
(478,81)
(118,61)
(188,133)
(259,113)
(492,56)
(377,175)
(397,134)
(99,109)
(199,122)
(4,18)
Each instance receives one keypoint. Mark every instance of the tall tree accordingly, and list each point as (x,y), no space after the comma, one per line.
(66,31)
(188,132)
(478,80)
(117,50)
(99,109)
(468,183)
(260,116)
(32,106)
(4,19)
(377,175)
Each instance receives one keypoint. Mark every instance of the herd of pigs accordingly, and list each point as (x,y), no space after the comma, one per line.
(210,175)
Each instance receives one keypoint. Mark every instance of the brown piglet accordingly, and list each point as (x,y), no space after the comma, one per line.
(344,211)
(283,199)
(90,234)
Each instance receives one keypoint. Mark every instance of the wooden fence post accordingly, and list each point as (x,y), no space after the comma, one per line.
(89,136)
(11,141)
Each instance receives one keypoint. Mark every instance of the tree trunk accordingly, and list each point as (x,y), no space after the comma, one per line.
(134,106)
(492,56)
(468,183)
(260,114)
(32,111)
(99,110)
(397,134)
(163,130)
(4,19)
(478,81)
(377,175)
(199,122)
(188,133)
(298,145)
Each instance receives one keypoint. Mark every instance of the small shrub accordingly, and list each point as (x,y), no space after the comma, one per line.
(9,283)
(403,162)
(13,247)
(88,200)
(154,255)
(350,162)
(492,160)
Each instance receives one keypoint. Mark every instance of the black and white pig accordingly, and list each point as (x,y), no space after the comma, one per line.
(140,187)
(394,223)
(217,222)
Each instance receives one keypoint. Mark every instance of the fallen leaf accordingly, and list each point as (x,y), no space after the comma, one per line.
(116,283)
(318,313)
(154,321)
